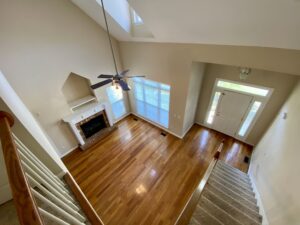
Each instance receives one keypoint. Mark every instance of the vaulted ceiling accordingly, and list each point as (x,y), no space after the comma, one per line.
(263,23)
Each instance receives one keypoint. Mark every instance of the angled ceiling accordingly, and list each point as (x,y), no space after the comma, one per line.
(263,23)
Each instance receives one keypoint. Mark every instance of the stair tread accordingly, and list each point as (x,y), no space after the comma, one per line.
(240,192)
(232,177)
(233,174)
(235,203)
(211,208)
(202,217)
(230,209)
(235,185)
(234,195)
(233,169)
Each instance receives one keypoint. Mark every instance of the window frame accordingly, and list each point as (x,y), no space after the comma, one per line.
(116,119)
(142,82)
(263,99)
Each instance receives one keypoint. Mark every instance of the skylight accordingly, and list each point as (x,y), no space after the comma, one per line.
(136,18)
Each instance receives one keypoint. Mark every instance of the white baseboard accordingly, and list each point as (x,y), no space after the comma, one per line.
(187,130)
(5,193)
(157,125)
(259,202)
(122,117)
(69,151)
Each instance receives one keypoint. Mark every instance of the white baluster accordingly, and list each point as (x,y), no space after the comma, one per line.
(49,186)
(56,200)
(61,212)
(51,217)
(43,175)
(41,165)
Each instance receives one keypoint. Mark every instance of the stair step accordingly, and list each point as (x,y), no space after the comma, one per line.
(230,209)
(234,188)
(242,206)
(234,183)
(201,217)
(244,178)
(232,193)
(232,169)
(232,177)
(213,209)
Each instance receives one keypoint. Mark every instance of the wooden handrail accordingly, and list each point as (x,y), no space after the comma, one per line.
(84,203)
(190,206)
(25,204)
(218,152)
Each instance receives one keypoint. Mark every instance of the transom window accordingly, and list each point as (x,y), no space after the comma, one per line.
(152,100)
(242,88)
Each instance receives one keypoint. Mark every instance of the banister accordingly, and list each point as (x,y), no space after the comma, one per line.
(84,203)
(187,212)
(25,204)
(219,149)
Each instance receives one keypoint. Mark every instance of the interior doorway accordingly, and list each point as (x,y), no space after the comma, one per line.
(234,107)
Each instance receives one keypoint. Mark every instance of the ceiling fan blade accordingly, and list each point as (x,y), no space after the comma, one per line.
(102,83)
(105,76)
(135,76)
(123,72)
(124,85)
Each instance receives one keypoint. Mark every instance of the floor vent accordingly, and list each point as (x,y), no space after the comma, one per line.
(246,159)
(163,134)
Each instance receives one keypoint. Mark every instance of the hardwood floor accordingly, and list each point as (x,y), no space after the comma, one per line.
(137,176)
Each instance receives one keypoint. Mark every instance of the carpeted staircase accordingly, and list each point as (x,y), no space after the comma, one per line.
(227,199)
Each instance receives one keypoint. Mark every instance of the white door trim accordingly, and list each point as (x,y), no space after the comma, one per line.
(262,99)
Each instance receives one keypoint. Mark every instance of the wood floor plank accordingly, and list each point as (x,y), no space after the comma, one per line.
(137,176)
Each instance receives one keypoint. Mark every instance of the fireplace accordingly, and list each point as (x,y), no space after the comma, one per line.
(92,125)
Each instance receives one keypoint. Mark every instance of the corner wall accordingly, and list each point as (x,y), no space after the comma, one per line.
(41,43)
(194,89)
(275,165)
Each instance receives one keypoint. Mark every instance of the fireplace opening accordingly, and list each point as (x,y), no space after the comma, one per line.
(93,126)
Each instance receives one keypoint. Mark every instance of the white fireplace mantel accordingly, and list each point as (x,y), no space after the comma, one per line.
(84,113)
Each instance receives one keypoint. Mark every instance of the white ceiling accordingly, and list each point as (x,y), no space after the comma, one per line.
(264,23)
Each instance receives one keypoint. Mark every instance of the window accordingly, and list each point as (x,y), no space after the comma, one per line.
(152,100)
(250,117)
(213,108)
(242,88)
(115,97)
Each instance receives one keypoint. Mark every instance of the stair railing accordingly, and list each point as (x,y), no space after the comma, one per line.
(39,195)
(186,214)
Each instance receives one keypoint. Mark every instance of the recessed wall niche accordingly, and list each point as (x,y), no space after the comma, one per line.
(77,91)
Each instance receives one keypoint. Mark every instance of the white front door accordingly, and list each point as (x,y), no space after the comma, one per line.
(230,112)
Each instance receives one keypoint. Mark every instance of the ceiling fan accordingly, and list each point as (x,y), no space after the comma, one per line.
(119,78)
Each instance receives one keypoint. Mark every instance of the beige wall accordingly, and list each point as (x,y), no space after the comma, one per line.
(275,165)
(282,84)
(41,43)
(76,87)
(171,64)
(195,84)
